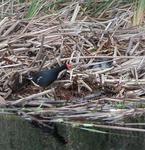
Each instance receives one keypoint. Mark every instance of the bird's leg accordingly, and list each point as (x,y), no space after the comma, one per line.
(47,96)
(40,105)
(50,96)
(40,90)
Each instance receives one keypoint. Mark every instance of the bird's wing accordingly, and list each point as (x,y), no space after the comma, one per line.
(38,79)
(36,83)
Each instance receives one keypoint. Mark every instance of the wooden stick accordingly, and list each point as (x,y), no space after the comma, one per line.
(108,127)
(38,56)
(102,56)
(22,100)
(11,28)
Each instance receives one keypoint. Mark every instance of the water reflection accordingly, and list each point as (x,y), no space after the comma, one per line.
(18,134)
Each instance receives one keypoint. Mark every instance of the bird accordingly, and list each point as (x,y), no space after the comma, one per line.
(46,77)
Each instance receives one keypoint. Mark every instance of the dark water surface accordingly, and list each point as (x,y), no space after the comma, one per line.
(18,134)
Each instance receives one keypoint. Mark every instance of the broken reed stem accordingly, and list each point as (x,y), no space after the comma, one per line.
(42,64)
(114,57)
(104,126)
(25,99)
(40,52)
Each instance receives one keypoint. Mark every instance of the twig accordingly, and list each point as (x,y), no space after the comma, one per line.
(22,100)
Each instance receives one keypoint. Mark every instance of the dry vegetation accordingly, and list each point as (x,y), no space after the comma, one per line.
(106,53)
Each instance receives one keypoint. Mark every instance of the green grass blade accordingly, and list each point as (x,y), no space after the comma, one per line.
(139,12)
(33,8)
(102,6)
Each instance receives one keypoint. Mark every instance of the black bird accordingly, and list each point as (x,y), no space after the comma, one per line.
(46,77)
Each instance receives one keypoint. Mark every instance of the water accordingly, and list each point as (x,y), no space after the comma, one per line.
(18,134)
